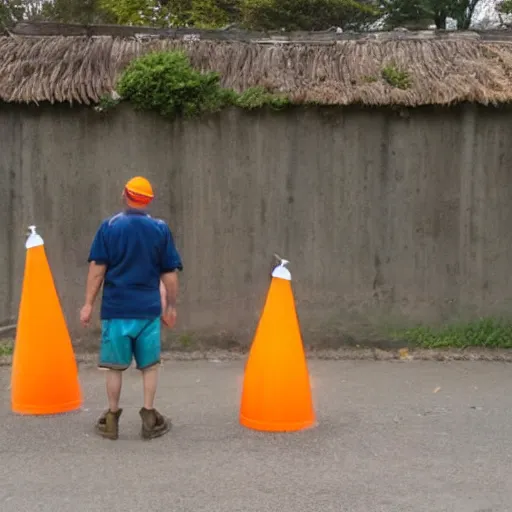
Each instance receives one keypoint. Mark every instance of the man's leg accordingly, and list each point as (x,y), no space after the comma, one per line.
(115,356)
(150,381)
(114,385)
(147,356)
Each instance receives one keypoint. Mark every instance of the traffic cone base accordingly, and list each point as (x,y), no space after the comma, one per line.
(275,427)
(276,394)
(44,378)
(36,410)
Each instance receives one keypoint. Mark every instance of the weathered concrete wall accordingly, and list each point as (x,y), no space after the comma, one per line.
(387,217)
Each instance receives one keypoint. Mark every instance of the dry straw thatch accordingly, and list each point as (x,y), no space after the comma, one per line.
(338,70)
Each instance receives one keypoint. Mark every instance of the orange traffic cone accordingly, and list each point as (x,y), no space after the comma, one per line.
(276,394)
(44,378)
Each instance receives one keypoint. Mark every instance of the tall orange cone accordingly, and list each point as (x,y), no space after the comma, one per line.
(44,378)
(276,394)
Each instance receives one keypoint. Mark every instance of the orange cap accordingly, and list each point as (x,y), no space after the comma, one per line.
(138,192)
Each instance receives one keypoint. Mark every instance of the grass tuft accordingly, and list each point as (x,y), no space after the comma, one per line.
(484,333)
(396,77)
(6,348)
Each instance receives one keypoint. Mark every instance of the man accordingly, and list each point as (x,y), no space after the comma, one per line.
(134,257)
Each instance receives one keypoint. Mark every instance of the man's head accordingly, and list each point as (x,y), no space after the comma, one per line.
(138,193)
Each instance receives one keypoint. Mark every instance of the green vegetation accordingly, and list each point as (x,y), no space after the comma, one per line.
(396,77)
(106,103)
(249,14)
(185,341)
(195,13)
(505,6)
(11,11)
(367,79)
(6,347)
(165,82)
(307,14)
(257,97)
(483,333)
(417,12)
(64,11)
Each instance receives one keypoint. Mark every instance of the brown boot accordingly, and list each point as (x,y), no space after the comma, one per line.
(108,424)
(153,424)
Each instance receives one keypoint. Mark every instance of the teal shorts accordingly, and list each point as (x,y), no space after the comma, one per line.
(123,340)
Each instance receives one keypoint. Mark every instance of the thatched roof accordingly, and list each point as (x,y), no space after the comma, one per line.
(44,63)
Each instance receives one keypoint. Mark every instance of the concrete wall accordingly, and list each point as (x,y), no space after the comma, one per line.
(388,217)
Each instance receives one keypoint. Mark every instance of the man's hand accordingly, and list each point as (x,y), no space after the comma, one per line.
(94,281)
(86,314)
(169,317)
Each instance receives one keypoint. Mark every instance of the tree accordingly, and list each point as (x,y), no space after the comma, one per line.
(181,13)
(75,11)
(306,14)
(136,12)
(213,13)
(505,7)
(406,12)
(462,11)
(11,11)
(252,14)
(64,11)
(411,12)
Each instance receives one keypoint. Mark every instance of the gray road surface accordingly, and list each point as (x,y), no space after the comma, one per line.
(387,440)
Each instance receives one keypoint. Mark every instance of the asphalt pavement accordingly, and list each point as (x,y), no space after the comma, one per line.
(391,436)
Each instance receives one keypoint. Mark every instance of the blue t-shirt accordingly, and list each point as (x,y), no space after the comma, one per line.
(137,249)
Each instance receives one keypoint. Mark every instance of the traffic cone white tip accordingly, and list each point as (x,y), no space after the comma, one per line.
(34,240)
(281,272)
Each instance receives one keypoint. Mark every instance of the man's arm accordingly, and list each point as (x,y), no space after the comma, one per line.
(170,264)
(95,278)
(98,263)
(163,296)
(169,281)
(169,293)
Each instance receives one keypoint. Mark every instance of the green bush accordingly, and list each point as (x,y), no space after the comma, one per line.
(166,82)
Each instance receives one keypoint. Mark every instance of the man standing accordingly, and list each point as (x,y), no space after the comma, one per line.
(134,257)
